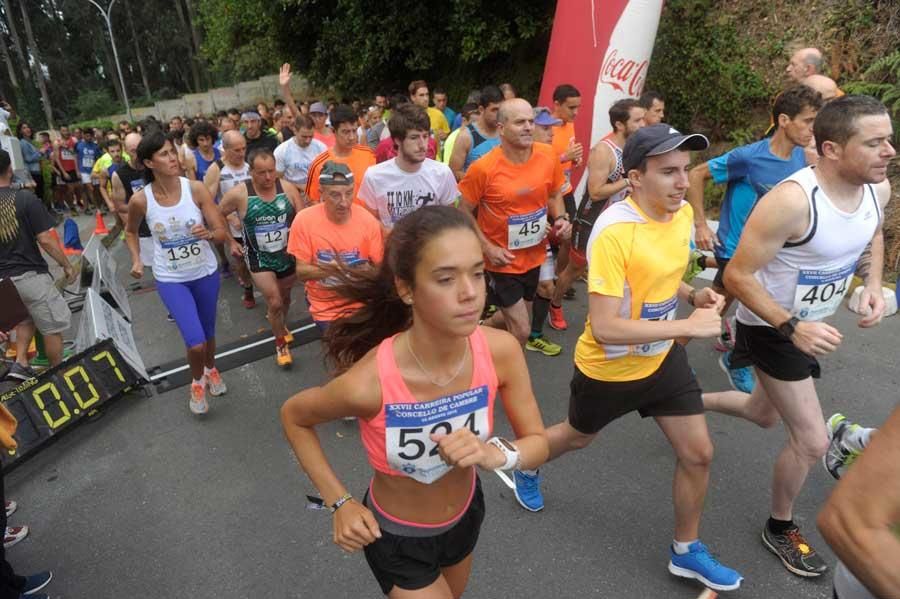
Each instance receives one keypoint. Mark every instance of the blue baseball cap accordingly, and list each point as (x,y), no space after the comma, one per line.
(543,117)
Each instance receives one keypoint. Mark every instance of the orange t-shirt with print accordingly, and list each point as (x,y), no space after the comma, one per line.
(314,239)
(360,159)
(561,136)
(512,201)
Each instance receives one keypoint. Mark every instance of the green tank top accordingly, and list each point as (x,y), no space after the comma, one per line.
(266,227)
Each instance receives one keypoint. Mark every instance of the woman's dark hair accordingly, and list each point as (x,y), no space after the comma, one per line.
(19,127)
(150,144)
(383,313)
(202,128)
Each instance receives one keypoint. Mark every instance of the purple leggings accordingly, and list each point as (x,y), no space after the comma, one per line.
(193,306)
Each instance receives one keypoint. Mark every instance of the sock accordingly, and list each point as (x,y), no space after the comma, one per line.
(279,341)
(779,527)
(248,289)
(206,371)
(539,310)
(552,305)
(529,472)
(682,547)
(199,382)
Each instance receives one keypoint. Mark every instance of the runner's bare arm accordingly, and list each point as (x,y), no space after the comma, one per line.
(103,177)
(871,266)
(697,178)
(601,163)
(608,327)
(293,195)
(461,148)
(211,179)
(284,82)
(357,392)
(190,166)
(137,210)
(779,216)
(215,222)
(118,197)
(496,254)
(861,517)
(518,398)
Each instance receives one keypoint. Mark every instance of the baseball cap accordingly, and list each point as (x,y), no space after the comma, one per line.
(543,117)
(335,173)
(250,115)
(658,139)
(318,107)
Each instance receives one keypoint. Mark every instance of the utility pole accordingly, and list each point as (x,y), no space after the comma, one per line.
(112,40)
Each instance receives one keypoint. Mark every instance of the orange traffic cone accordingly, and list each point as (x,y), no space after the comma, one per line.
(100,229)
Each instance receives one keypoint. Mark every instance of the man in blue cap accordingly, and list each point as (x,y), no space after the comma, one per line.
(626,359)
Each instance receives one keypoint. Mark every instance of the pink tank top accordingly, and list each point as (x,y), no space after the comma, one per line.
(398,438)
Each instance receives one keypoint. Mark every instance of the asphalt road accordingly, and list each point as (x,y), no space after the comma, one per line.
(151,502)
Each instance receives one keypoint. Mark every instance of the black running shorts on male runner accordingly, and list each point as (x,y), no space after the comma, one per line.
(670,391)
(505,289)
(767,349)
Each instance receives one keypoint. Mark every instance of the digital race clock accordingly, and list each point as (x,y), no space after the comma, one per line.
(61,396)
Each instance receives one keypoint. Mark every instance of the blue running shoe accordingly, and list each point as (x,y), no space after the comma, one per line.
(528,491)
(741,379)
(698,563)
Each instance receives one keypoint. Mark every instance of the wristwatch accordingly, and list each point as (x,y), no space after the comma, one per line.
(787,327)
(510,452)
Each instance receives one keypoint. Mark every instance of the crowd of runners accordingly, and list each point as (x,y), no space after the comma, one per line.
(432,246)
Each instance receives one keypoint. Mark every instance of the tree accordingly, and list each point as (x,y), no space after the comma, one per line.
(36,65)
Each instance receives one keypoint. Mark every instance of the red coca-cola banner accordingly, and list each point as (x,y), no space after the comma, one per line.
(603,48)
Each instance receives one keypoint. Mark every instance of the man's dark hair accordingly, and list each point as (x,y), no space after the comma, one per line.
(490,94)
(111,142)
(409,117)
(836,121)
(647,98)
(620,111)
(278,103)
(5,162)
(124,122)
(467,109)
(202,128)
(342,114)
(794,100)
(564,92)
(232,111)
(304,121)
(439,90)
(257,153)
(398,100)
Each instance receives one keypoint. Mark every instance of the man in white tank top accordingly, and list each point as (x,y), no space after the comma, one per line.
(793,265)
(222,176)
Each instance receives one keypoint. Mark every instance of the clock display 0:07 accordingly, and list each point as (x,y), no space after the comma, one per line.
(48,399)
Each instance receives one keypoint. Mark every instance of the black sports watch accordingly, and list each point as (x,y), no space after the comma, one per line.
(787,327)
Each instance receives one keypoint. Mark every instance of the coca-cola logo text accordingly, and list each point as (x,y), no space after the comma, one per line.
(626,76)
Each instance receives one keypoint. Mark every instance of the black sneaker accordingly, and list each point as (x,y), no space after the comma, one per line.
(569,294)
(22,373)
(794,552)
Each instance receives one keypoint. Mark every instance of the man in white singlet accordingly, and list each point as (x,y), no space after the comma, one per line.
(792,267)
(220,177)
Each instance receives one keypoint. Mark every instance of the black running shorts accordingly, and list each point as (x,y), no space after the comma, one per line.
(670,391)
(505,289)
(767,349)
(415,562)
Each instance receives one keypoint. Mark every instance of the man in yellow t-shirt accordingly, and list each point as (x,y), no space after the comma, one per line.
(627,359)
(418,94)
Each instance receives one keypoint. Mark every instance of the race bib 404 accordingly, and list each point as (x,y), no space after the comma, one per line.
(408,428)
(526,230)
(819,292)
(657,311)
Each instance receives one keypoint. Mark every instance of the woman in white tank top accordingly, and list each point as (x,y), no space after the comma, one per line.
(182,218)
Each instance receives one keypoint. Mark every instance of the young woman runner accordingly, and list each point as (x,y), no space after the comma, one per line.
(421,376)
(182,219)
